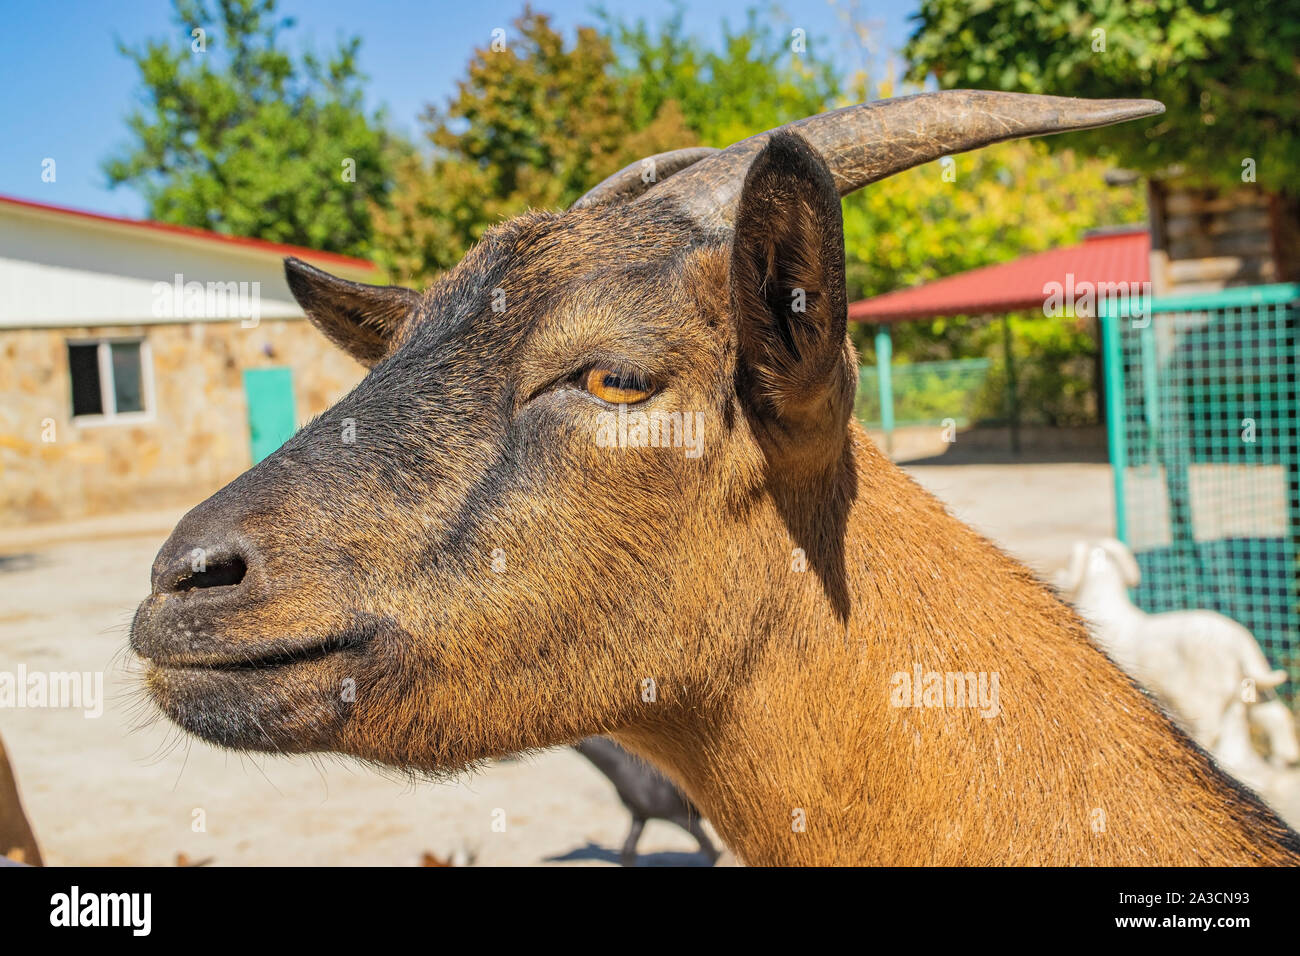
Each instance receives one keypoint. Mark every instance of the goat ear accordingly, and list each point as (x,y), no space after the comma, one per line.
(787,284)
(360,319)
(1124,559)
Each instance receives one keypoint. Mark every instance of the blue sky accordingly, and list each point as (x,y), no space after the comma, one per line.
(66,90)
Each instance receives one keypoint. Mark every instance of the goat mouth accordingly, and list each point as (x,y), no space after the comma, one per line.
(270,699)
(262,659)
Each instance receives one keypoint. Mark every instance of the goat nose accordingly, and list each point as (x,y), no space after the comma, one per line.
(188,563)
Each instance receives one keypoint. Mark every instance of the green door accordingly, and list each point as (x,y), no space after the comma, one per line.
(271,418)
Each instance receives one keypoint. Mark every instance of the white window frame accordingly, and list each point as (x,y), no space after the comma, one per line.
(107,393)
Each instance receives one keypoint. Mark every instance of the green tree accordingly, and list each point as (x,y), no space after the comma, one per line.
(533,125)
(238,136)
(754,80)
(538,123)
(1225,69)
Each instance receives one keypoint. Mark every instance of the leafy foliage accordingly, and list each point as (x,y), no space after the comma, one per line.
(243,138)
(755,80)
(1225,69)
(1056,370)
(533,125)
(537,124)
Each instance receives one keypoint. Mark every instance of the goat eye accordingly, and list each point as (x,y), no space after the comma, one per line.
(617,387)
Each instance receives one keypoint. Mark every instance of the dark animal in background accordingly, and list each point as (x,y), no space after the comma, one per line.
(647,793)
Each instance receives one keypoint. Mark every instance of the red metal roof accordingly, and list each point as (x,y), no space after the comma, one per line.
(260,245)
(1120,256)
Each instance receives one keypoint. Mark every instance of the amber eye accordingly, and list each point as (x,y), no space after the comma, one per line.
(616,387)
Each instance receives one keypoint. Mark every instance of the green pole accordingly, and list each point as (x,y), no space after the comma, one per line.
(1114,370)
(1013,397)
(1151,392)
(884,355)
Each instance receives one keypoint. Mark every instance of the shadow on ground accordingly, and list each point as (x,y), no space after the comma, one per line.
(593,851)
(18,562)
(991,445)
(958,455)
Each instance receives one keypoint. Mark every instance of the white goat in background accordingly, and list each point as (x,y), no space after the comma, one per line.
(1236,753)
(1197,663)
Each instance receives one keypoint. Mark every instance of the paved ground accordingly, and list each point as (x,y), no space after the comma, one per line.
(109,791)
(1035,512)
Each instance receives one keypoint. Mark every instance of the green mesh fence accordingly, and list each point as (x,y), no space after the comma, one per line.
(1202,422)
(925,393)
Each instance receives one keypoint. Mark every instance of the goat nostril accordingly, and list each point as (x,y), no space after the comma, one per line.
(225,572)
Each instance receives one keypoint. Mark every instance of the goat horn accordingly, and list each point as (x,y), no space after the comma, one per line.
(865,143)
(630,180)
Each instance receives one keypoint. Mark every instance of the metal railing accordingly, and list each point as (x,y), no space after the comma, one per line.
(924,393)
(1203,426)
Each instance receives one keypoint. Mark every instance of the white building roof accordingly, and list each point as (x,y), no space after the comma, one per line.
(62,267)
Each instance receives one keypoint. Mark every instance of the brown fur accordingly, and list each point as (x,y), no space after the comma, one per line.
(370,563)
(16,838)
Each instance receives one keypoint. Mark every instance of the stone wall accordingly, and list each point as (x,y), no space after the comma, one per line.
(196,441)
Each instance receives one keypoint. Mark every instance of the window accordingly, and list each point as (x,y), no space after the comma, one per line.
(111,380)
